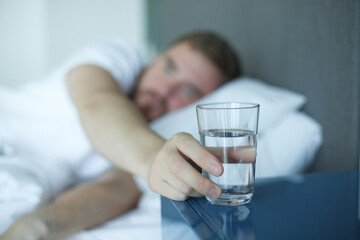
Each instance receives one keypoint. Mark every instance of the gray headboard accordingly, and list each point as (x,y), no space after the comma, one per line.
(311,47)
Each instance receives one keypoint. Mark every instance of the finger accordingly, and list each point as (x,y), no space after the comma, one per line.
(181,186)
(196,194)
(168,191)
(185,172)
(186,144)
(178,184)
(245,154)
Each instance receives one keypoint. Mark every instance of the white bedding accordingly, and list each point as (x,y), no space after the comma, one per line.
(50,138)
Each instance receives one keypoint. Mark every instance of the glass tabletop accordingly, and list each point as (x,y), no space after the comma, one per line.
(308,206)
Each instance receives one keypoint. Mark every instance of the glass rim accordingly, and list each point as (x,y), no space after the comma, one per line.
(215,106)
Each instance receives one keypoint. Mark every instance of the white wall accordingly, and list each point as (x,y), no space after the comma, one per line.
(37,35)
(22,40)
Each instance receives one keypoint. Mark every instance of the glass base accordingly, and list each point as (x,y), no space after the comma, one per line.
(231,200)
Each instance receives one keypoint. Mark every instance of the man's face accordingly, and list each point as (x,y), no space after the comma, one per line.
(176,78)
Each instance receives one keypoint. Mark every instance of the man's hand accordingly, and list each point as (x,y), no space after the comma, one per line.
(173,176)
(28,227)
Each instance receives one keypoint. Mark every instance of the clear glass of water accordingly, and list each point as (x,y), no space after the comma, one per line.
(229,131)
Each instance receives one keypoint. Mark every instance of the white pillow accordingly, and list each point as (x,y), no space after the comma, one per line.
(288,147)
(274,102)
(288,140)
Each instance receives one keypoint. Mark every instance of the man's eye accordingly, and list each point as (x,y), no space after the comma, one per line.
(188,92)
(168,69)
(169,66)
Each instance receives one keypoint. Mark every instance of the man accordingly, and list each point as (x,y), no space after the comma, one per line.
(116,125)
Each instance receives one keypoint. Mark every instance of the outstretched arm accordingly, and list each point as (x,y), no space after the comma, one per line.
(119,132)
(112,122)
(83,207)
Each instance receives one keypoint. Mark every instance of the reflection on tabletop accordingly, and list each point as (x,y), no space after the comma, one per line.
(308,206)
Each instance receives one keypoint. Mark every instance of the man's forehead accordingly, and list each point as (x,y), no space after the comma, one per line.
(195,67)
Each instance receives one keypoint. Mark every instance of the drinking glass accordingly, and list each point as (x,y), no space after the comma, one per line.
(229,131)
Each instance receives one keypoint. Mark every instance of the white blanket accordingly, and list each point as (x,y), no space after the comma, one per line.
(22,187)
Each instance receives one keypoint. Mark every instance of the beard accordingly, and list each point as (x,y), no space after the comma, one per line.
(150,104)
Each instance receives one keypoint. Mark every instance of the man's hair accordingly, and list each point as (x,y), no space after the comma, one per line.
(216,49)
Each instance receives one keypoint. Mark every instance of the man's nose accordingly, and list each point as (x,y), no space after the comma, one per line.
(168,88)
